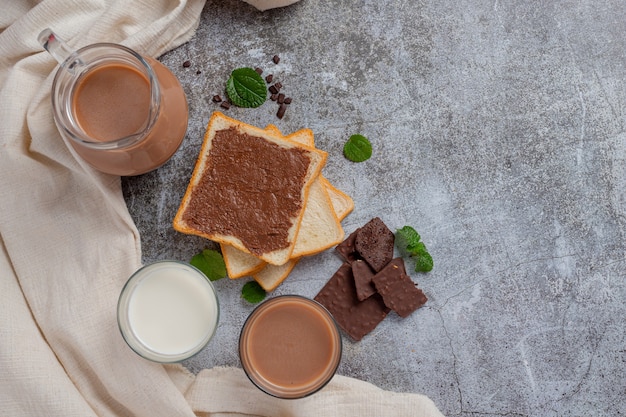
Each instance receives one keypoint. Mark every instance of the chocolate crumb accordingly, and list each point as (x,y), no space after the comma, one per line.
(281,111)
(278,85)
(287,100)
(217,98)
(273,89)
(259,70)
(281,98)
(225,105)
(269,78)
(274,97)
(187,64)
(198,72)
(276,59)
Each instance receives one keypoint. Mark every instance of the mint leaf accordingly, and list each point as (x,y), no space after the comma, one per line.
(246,88)
(423,262)
(252,292)
(408,241)
(358,148)
(211,263)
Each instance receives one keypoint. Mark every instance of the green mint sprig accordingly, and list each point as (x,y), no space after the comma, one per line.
(211,263)
(409,242)
(246,88)
(357,149)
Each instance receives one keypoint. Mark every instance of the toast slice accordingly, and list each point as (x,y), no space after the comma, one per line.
(342,202)
(271,276)
(240,264)
(249,189)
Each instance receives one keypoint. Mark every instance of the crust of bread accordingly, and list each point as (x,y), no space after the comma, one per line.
(218,122)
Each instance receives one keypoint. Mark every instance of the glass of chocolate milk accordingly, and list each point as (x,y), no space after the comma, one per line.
(290,346)
(123,113)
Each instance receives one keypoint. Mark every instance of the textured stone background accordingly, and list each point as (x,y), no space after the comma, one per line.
(498,133)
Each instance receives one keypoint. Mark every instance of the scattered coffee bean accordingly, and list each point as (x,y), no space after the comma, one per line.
(217,98)
(225,105)
(274,97)
(276,59)
(187,64)
(281,111)
(287,100)
(281,98)
(273,89)
(269,78)
(259,70)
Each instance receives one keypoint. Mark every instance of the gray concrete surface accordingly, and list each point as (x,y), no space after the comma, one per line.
(498,133)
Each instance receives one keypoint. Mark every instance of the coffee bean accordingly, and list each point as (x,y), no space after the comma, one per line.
(225,105)
(274,97)
(276,59)
(269,78)
(187,64)
(281,98)
(287,100)
(217,98)
(281,111)
(258,70)
(273,89)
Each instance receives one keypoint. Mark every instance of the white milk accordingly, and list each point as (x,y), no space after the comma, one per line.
(172,310)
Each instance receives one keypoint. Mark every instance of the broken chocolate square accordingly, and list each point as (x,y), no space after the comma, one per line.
(356,318)
(374,242)
(363,275)
(398,290)
(346,248)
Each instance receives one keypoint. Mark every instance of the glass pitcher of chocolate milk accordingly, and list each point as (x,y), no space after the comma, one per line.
(123,113)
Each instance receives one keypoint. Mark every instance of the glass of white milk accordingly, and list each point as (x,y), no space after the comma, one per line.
(168,311)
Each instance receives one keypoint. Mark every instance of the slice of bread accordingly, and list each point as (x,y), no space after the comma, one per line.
(271,276)
(342,202)
(225,223)
(240,264)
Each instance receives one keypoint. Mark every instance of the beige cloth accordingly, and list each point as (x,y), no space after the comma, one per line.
(68,244)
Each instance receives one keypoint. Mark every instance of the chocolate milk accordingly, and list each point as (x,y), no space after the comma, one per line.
(113,101)
(290,347)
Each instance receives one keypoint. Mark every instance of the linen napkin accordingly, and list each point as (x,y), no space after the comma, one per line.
(68,244)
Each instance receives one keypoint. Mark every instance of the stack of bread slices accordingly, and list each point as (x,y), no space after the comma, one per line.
(315,227)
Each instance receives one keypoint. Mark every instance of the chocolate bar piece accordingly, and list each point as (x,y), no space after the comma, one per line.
(374,242)
(398,290)
(363,275)
(346,248)
(356,318)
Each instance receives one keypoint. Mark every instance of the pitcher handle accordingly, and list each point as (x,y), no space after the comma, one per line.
(59,49)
